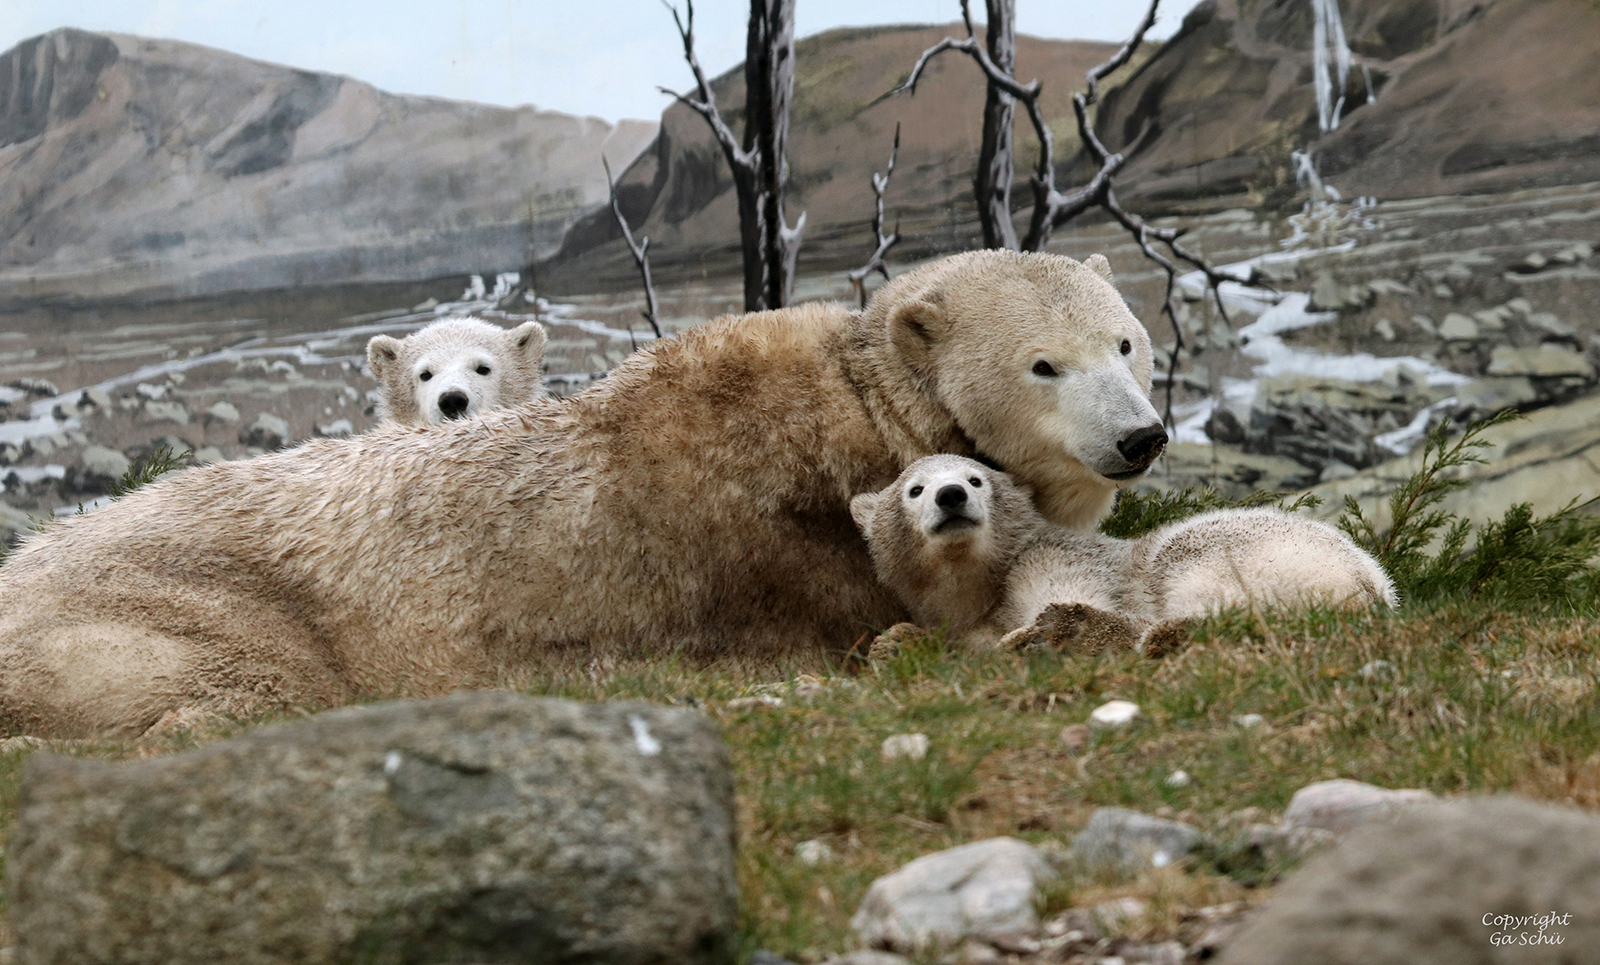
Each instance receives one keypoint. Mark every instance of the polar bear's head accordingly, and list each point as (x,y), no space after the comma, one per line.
(943,535)
(1032,361)
(456,368)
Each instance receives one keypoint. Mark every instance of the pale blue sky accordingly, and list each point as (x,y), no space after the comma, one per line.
(601,57)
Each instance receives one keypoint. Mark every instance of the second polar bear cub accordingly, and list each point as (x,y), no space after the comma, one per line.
(456,368)
(964,547)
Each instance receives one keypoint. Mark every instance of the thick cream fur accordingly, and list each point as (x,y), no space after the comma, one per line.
(493,367)
(695,502)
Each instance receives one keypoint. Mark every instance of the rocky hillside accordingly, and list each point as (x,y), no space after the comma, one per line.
(1465,97)
(680,195)
(160,169)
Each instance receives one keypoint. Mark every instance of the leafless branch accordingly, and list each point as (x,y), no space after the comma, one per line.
(880,183)
(706,106)
(640,251)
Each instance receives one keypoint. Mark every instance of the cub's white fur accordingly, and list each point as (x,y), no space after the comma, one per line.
(964,547)
(456,368)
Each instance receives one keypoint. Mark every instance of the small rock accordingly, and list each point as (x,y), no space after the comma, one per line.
(267,432)
(1520,307)
(337,429)
(813,852)
(426,305)
(1443,291)
(809,685)
(1388,286)
(1482,398)
(1248,721)
(1117,913)
(1425,323)
(1075,737)
(1550,326)
(1376,670)
(1548,360)
(36,387)
(1385,329)
(99,398)
(1342,804)
(223,411)
(104,464)
(1114,715)
(914,746)
(1131,840)
(1530,264)
(151,390)
(757,702)
(1178,778)
(1458,327)
(167,412)
(985,890)
(207,456)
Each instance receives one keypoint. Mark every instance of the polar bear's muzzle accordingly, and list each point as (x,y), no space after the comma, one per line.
(951,502)
(1140,448)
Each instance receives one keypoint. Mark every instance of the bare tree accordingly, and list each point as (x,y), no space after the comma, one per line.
(640,251)
(880,183)
(1053,208)
(759,164)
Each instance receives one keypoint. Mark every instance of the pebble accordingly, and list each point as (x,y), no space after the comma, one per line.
(1131,840)
(985,889)
(1076,738)
(914,746)
(1114,715)
(1249,721)
(758,702)
(813,852)
(224,411)
(1340,805)
(1179,778)
(1375,669)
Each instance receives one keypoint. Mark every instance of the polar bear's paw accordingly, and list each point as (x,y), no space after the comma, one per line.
(893,640)
(1167,638)
(1076,629)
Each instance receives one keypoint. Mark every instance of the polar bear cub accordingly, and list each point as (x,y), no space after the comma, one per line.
(456,368)
(964,547)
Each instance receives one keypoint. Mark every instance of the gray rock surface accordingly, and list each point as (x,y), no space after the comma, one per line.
(104,463)
(1131,840)
(984,889)
(267,432)
(483,827)
(1341,805)
(1432,887)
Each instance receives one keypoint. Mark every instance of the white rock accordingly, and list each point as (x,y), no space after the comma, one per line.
(1114,714)
(105,462)
(759,701)
(224,411)
(985,889)
(167,412)
(1131,840)
(1342,804)
(914,746)
(813,852)
(338,428)
(1249,721)
(150,390)
(1376,669)
(1458,326)
(1178,778)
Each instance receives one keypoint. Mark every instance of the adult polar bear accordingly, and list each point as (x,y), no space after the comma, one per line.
(697,501)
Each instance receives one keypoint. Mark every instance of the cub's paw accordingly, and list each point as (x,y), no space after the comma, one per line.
(892,641)
(1167,638)
(1077,629)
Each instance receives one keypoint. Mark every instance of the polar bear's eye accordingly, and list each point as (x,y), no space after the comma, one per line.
(914,492)
(484,369)
(1044,370)
(976,482)
(425,375)
(1127,347)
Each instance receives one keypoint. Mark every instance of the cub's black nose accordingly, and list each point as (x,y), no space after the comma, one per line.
(453,405)
(951,496)
(1142,446)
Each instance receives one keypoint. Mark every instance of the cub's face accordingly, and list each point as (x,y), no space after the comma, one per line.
(456,369)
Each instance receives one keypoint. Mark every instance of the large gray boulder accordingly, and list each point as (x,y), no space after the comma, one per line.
(483,828)
(1490,880)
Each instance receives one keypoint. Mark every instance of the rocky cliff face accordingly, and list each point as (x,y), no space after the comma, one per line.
(679,193)
(158,169)
(1444,97)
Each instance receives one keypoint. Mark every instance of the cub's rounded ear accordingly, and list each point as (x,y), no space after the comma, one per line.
(382,351)
(862,509)
(1099,264)
(529,339)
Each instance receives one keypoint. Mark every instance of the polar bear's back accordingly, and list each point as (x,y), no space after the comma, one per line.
(1264,558)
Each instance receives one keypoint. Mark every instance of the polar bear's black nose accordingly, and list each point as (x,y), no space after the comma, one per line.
(1143,446)
(453,405)
(951,496)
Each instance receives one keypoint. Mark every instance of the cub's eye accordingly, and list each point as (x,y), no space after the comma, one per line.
(1044,370)
(914,492)
(976,482)
(425,376)
(1127,347)
(484,369)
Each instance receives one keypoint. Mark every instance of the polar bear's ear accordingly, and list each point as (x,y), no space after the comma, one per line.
(914,328)
(529,339)
(381,351)
(862,509)
(1101,266)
